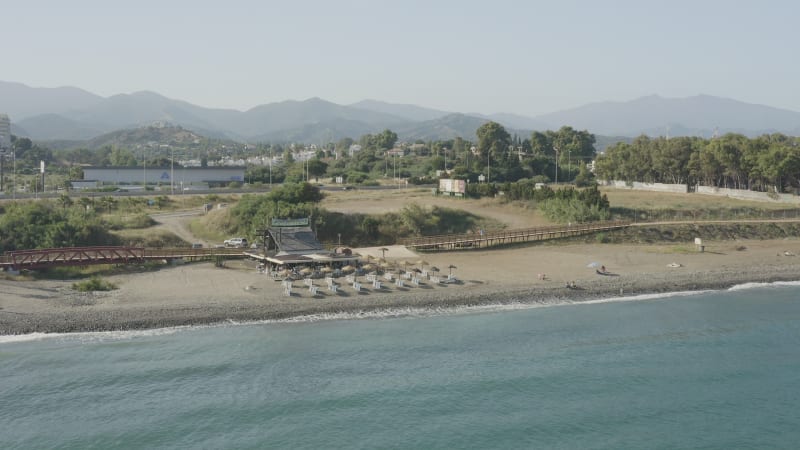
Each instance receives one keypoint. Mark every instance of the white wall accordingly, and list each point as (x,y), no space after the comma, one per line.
(655,187)
(743,194)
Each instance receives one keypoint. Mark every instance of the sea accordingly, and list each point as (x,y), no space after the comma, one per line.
(715,369)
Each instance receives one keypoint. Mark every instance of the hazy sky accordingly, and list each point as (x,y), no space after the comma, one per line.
(526,57)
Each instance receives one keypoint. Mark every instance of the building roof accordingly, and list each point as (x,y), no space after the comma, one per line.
(295,241)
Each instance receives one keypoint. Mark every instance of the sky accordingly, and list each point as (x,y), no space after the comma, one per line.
(524,57)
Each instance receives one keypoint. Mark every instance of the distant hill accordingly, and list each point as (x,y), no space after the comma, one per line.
(132,138)
(447,127)
(409,112)
(55,126)
(74,114)
(20,101)
(516,121)
(268,119)
(698,115)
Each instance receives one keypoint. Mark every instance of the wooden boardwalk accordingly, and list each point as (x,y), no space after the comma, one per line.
(490,239)
(84,256)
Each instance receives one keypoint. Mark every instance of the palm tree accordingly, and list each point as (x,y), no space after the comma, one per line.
(86,202)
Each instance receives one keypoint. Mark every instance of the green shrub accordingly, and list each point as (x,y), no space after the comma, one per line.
(93,284)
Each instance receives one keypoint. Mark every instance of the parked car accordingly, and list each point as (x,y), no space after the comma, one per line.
(237,242)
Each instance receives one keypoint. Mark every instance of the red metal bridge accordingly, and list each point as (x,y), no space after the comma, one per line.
(84,256)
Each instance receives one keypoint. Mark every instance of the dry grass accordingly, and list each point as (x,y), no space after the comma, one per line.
(626,198)
(495,214)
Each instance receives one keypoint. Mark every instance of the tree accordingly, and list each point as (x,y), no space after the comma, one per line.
(385,140)
(65,201)
(493,142)
(121,157)
(317,168)
(585,177)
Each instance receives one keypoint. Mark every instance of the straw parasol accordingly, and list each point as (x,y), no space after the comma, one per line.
(451,267)
(383,252)
(326,269)
(348,268)
(306,271)
(422,263)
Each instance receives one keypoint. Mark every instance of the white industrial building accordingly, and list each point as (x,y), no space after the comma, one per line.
(180,176)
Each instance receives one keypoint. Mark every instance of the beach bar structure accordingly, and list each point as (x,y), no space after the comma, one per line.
(292,242)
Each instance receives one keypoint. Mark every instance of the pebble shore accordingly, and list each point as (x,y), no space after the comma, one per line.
(60,310)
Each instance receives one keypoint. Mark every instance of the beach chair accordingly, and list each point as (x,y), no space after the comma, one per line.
(357,287)
(313,289)
(376,284)
(333,288)
(399,282)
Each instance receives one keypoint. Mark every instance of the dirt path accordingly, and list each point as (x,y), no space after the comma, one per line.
(177,223)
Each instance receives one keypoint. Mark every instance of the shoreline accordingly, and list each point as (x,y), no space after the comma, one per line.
(199,294)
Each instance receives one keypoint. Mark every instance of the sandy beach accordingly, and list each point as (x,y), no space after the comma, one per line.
(200,293)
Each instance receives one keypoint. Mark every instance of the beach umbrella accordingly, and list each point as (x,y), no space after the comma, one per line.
(326,269)
(405,264)
(593,265)
(451,267)
(422,263)
(434,269)
(369,267)
(348,268)
(383,252)
(306,271)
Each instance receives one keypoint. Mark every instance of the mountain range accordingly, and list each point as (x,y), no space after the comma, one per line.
(69,113)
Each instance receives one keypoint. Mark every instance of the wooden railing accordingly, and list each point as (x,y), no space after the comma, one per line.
(82,256)
(488,239)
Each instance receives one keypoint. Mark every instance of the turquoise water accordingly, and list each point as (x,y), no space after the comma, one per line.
(714,370)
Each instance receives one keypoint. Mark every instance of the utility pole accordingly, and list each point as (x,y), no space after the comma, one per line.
(144,168)
(569,163)
(172,173)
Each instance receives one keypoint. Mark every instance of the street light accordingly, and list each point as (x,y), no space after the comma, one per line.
(172,172)
(488,165)
(556,150)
